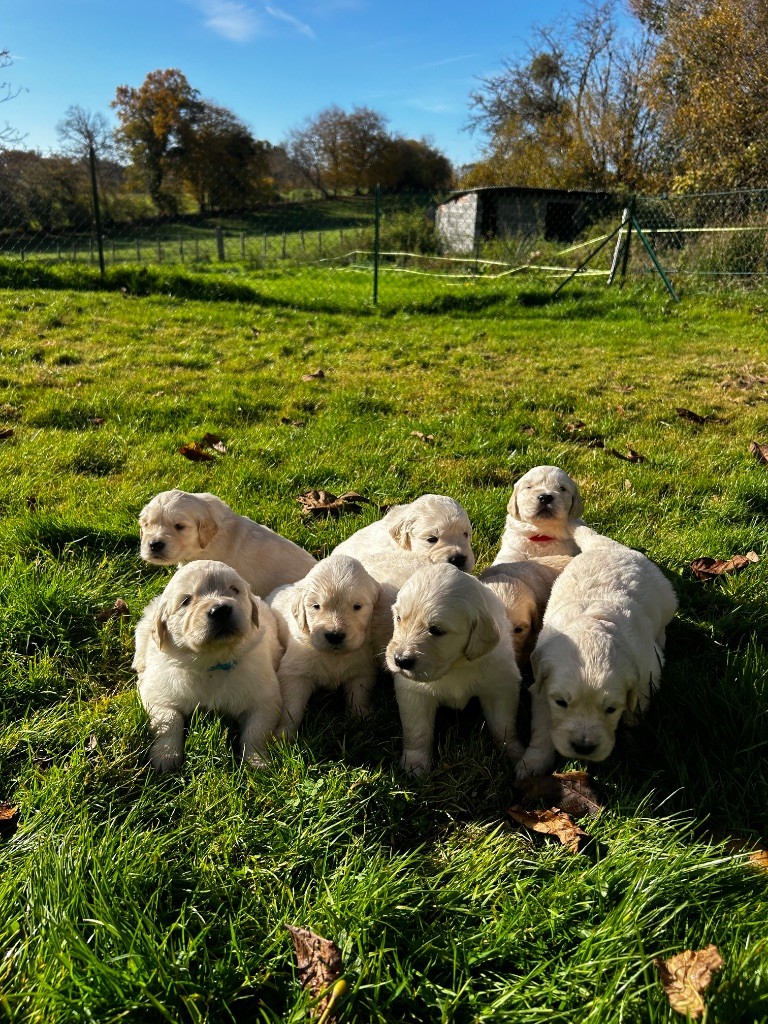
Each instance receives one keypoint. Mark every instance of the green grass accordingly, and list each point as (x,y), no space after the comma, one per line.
(129,897)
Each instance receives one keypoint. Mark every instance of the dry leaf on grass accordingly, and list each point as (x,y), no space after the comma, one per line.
(707,568)
(553,823)
(576,425)
(9,820)
(694,417)
(427,438)
(195,452)
(6,432)
(118,608)
(686,976)
(292,423)
(214,442)
(575,793)
(318,961)
(760,451)
(31,503)
(323,503)
(317,375)
(631,456)
(97,421)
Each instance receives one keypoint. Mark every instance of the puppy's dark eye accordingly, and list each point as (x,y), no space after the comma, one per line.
(356,607)
(610,711)
(185,602)
(436,631)
(561,703)
(397,618)
(178,526)
(466,535)
(518,629)
(431,540)
(316,607)
(234,590)
(563,489)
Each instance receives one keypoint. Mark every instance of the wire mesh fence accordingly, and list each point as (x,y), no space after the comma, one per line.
(56,210)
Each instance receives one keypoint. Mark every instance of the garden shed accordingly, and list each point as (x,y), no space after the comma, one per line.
(471,215)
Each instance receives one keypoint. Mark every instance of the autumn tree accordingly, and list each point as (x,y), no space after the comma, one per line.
(337,150)
(155,122)
(710,90)
(413,164)
(574,110)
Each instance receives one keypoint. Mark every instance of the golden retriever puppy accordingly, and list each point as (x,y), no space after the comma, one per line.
(434,528)
(600,651)
(524,588)
(324,623)
(451,642)
(207,641)
(180,527)
(542,510)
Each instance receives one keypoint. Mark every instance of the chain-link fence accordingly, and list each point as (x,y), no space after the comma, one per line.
(55,210)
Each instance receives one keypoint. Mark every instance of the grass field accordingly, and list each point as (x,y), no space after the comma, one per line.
(130,897)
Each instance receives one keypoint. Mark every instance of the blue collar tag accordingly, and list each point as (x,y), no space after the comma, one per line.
(225,666)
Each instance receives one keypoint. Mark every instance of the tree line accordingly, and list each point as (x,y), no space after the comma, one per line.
(651,95)
(630,95)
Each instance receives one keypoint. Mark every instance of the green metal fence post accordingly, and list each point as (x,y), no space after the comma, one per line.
(96,211)
(654,259)
(376,221)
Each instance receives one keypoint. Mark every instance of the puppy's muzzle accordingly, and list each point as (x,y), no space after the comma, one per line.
(404,662)
(220,616)
(458,560)
(156,547)
(335,639)
(584,748)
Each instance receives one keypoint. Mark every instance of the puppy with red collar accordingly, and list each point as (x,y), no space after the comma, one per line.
(543,509)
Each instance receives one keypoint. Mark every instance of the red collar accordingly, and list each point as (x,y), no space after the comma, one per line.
(540,538)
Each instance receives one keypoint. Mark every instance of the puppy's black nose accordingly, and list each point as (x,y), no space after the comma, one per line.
(220,612)
(546,499)
(583,748)
(458,560)
(402,662)
(335,639)
(156,546)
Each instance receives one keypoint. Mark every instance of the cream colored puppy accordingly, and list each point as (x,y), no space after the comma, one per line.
(180,527)
(451,642)
(324,623)
(207,641)
(600,651)
(541,513)
(524,588)
(434,528)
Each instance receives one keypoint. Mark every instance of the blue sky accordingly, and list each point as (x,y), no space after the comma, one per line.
(273,64)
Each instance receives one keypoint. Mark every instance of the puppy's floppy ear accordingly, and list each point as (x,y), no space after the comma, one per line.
(512,508)
(255,610)
(540,668)
(631,697)
(399,526)
(577,505)
(160,626)
(483,635)
(206,530)
(298,610)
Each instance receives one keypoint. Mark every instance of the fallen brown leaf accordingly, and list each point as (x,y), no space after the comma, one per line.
(554,823)
(317,375)
(9,820)
(6,432)
(686,975)
(31,502)
(195,452)
(98,421)
(694,417)
(627,388)
(706,568)
(576,425)
(631,456)
(118,608)
(529,430)
(214,442)
(760,451)
(318,961)
(427,438)
(292,423)
(575,793)
(323,503)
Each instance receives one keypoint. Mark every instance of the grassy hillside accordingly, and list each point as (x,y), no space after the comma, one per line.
(131,897)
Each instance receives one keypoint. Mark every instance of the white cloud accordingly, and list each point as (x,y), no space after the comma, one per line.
(232,20)
(300,26)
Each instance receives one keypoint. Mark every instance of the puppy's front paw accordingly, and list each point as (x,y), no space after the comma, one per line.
(514,750)
(165,757)
(253,758)
(415,762)
(532,762)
